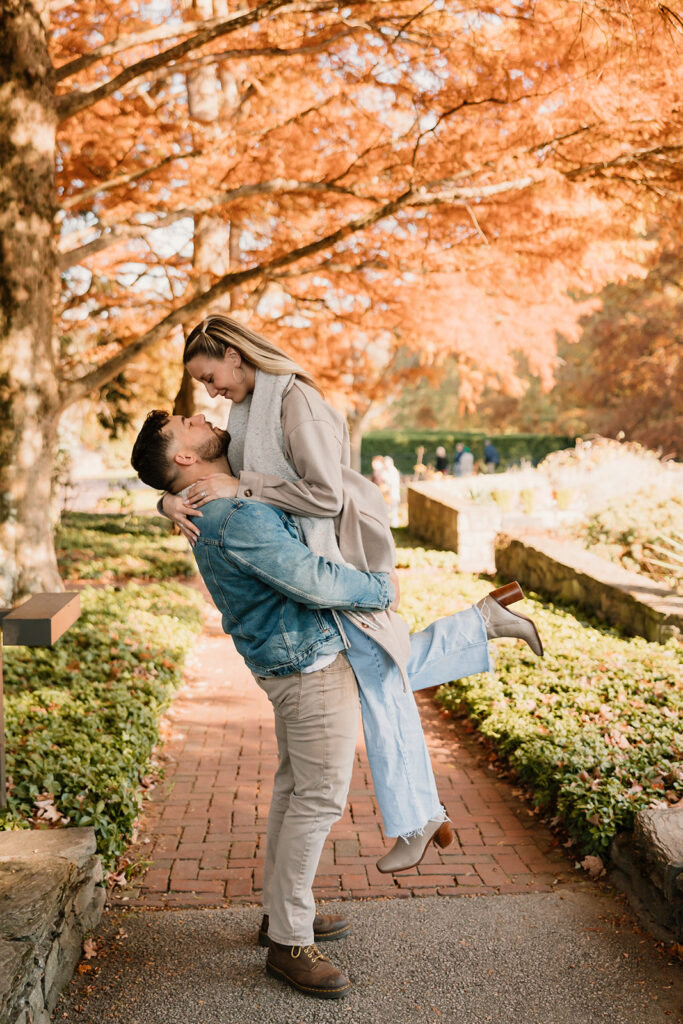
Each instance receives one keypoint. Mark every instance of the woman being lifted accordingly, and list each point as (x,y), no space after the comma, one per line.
(289,448)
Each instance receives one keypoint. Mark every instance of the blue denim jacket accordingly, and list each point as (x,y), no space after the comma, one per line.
(274,594)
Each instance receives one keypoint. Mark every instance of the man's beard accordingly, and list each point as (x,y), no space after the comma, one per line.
(215,447)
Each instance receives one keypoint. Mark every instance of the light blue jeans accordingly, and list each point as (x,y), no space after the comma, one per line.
(451,648)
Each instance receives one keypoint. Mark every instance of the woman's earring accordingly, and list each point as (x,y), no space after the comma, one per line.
(237,375)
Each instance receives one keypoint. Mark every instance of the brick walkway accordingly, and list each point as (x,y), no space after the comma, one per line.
(202,833)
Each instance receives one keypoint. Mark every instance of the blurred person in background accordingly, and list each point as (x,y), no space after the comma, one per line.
(491,456)
(392,489)
(463,461)
(378,471)
(441,460)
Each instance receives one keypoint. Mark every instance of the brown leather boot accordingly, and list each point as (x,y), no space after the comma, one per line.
(326,928)
(306,968)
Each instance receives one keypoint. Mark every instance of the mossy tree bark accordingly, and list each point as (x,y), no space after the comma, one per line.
(29,389)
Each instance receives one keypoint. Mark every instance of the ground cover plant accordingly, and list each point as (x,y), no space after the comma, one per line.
(81,718)
(111,548)
(593,729)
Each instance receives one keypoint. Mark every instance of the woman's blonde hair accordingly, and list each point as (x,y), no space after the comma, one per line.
(217,333)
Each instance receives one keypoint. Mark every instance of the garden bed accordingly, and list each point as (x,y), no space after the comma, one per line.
(593,730)
(81,718)
(641,534)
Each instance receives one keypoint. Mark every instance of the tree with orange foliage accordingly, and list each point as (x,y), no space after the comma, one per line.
(626,372)
(502,153)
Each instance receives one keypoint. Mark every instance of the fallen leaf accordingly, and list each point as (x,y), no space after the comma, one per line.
(594,866)
(117,879)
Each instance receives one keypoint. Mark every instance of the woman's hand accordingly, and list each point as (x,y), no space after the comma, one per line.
(179,509)
(215,485)
(393,576)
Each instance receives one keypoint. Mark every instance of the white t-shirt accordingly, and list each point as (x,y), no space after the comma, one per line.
(322,662)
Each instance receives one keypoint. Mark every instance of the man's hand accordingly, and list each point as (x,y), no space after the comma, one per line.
(393,576)
(215,485)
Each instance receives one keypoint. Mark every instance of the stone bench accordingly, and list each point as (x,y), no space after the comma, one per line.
(51,896)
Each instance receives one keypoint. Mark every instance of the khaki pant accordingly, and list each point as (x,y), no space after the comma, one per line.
(316,724)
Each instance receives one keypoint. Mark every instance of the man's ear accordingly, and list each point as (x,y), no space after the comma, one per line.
(185,458)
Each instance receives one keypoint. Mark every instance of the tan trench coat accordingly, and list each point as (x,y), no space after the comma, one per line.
(317,446)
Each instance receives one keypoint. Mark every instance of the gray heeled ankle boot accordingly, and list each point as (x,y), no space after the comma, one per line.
(500,622)
(407,853)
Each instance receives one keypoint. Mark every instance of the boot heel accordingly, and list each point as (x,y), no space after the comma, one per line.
(508,594)
(444,836)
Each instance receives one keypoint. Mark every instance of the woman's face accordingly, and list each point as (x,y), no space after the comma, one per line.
(228,377)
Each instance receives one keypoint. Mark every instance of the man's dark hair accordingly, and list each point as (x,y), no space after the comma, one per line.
(150,458)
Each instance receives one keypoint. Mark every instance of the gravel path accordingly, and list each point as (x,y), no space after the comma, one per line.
(556,958)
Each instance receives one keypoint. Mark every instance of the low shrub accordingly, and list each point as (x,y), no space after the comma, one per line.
(109,548)
(81,718)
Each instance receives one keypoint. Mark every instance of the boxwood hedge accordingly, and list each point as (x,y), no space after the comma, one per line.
(403,444)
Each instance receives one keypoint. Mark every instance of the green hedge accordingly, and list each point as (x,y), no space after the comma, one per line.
(593,729)
(403,444)
(81,717)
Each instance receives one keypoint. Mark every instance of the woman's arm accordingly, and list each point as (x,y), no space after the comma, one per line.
(315,455)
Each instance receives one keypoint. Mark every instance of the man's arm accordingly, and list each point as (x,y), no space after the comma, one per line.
(256,539)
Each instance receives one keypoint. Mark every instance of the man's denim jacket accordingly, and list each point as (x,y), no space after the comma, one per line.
(274,594)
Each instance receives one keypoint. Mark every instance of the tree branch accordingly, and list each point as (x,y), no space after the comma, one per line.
(125,179)
(73,102)
(279,186)
(303,49)
(72,391)
(152,35)
(623,160)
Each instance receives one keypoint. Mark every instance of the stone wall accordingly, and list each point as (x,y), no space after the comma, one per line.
(467,529)
(628,600)
(51,895)
(648,867)
(561,569)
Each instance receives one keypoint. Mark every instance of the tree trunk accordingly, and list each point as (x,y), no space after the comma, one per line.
(29,399)
(357,421)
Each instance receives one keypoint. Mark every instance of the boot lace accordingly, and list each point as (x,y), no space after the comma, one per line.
(313,953)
